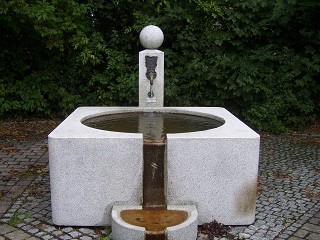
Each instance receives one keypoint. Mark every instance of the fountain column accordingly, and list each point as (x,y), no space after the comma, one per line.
(151,68)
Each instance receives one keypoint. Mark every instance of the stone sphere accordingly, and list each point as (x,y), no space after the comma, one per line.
(151,37)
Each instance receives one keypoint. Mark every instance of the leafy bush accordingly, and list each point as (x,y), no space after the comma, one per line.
(257,58)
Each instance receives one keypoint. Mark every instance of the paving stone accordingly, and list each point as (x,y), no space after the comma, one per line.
(39,234)
(301,233)
(94,236)
(75,234)
(17,235)
(46,237)
(296,224)
(259,234)
(313,236)
(271,224)
(315,221)
(29,220)
(292,228)
(9,215)
(33,231)
(244,235)
(271,235)
(13,209)
(311,227)
(50,229)
(86,231)
(57,233)
(65,237)
(26,227)
(67,229)
(317,215)
(264,227)
(255,238)
(249,231)
(86,238)
(284,236)
(5,228)
(35,222)
(294,238)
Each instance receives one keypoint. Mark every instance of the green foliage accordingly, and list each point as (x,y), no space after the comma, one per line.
(257,58)
(252,57)
(17,218)
(48,49)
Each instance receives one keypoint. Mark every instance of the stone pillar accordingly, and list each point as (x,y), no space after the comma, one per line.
(151,68)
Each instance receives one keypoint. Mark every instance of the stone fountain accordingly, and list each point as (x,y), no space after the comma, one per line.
(156,188)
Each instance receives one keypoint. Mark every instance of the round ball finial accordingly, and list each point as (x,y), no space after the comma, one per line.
(151,37)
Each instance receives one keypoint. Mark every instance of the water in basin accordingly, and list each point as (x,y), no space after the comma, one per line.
(153,125)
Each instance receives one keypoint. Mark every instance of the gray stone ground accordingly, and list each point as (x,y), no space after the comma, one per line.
(288,200)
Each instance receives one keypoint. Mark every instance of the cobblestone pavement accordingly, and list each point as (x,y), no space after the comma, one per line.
(288,200)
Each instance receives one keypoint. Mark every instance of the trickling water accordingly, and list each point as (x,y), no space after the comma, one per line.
(154,158)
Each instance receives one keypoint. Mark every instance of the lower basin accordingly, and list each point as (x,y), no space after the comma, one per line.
(177,222)
(154,220)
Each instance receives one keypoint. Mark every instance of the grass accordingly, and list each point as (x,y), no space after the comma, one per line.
(17,218)
(108,232)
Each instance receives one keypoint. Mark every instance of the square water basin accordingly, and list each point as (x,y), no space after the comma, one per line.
(92,170)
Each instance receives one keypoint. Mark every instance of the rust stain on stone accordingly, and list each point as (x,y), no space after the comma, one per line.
(155,220)
(246,199)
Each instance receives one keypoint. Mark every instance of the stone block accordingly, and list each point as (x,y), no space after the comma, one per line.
(91,170)
(215,169)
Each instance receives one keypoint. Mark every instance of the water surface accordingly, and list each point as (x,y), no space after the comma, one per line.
(153,125)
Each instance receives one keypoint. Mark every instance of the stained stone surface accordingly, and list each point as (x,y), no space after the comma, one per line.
(207,166)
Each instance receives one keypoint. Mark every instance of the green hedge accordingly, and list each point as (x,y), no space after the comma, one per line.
(258,58)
